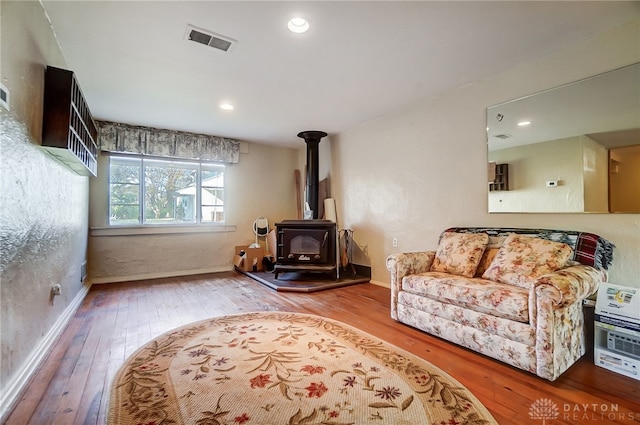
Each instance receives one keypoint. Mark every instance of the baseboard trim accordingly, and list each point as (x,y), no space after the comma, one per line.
(378,283)
(160,275)
(13,390)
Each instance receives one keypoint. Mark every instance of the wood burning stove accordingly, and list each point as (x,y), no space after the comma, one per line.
(306,246)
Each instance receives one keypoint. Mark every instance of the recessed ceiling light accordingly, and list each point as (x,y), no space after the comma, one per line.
(227,106)
(298,25)
(524,123)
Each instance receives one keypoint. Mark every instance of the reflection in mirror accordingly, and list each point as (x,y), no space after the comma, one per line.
(624,179)
(575,148)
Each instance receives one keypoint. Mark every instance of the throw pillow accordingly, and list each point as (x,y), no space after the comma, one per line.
(485,260)
(459,253)
(495,242)
(522,259)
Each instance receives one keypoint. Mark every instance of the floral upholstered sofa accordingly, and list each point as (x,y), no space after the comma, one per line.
(512,294)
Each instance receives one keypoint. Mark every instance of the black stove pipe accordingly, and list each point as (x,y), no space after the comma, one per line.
(312,139)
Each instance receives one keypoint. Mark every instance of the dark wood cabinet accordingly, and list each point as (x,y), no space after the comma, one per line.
(68,131)
(501,181)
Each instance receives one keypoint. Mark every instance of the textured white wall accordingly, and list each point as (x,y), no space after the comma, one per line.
(44,205)
(414,173)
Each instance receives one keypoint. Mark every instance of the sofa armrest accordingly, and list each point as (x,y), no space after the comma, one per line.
(571,284)
(405,264)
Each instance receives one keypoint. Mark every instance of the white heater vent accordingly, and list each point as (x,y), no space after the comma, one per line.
(208,38)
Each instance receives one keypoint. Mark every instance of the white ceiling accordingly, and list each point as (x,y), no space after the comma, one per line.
(359,61)
(605,107)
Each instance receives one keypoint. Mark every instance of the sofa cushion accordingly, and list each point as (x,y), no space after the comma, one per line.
(485,261)
(480,295)
(522,259)
(507,350)
(519,332)
(459,253)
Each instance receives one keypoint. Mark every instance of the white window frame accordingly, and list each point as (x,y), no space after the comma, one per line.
(145,161)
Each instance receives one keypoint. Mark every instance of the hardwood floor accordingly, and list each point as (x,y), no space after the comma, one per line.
(72,386)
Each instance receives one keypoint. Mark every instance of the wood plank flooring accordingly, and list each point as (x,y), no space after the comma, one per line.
(72,386)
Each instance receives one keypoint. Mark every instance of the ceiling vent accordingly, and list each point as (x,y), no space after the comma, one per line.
(208,38)
(502,136)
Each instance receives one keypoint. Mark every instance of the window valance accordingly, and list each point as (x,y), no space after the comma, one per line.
(118,137)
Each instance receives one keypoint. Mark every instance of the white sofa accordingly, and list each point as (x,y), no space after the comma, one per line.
(517,298)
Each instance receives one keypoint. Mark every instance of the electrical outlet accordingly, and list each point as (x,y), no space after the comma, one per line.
(395,242)
(4,97)
(56,289)
(83,271)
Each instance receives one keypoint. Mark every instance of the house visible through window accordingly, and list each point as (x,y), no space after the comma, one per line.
(155,192)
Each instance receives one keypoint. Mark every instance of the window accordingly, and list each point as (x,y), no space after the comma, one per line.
(158,192)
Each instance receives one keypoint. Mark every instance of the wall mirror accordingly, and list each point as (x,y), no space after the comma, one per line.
(574,148)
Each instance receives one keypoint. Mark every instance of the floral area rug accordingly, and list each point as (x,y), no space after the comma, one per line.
(278,368)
